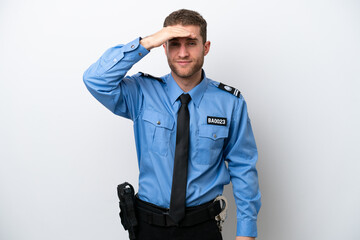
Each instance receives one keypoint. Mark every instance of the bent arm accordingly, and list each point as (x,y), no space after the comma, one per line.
(105,79)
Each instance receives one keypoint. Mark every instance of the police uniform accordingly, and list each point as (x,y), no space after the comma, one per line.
(220,131)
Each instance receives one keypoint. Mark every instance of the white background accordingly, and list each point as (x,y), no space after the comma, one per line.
(62,153)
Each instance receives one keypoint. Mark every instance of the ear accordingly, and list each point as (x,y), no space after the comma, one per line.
(164,45)
(206,47)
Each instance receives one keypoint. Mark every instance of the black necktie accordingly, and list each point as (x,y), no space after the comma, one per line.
(178,189)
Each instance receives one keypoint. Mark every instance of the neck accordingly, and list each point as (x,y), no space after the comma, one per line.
(186,84)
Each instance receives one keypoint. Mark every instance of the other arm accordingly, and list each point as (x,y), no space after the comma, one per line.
(241,154)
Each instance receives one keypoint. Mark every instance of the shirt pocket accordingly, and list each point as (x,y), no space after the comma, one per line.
(158,127)
(210,143)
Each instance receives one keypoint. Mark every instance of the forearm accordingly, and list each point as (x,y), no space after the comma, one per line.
(108,71)
(247,196)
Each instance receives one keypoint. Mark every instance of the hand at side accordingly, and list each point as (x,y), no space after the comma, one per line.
(244,238)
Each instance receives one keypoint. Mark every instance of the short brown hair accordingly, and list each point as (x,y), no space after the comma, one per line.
(187,17)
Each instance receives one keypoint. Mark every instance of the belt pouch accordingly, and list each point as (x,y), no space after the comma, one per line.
(127,208)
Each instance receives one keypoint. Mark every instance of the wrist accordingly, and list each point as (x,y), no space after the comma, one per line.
(146,43)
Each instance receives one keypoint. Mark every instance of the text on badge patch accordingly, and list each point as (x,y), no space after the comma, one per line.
(216,121)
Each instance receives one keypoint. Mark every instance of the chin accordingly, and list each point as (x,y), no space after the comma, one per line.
(184,75)
(184,72)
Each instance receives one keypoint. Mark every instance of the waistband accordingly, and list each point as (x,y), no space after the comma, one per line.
(158,216)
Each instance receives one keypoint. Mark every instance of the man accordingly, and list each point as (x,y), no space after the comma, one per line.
(186,126)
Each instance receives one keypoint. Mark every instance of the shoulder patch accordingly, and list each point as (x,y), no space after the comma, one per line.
(150,76)
(229,89)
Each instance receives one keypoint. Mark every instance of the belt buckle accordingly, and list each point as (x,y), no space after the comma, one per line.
(220,219)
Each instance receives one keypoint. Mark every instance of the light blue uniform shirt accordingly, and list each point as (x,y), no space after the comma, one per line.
(152,104)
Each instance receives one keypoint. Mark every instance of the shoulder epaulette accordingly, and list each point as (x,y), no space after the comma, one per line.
(150,76)
(229,89)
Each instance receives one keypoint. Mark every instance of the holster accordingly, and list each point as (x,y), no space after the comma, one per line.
(127,208)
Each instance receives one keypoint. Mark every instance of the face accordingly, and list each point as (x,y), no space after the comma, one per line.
(186,55)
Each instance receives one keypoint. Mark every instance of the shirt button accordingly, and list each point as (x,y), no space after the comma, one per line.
(158,122)
(132,46)
(114,60)
(215,136)
(140,54)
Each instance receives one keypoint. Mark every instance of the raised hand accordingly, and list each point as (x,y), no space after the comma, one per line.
(165,34)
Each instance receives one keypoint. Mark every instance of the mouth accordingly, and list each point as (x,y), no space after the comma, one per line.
(183,62)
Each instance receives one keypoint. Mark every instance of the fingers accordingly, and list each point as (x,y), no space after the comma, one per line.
(176,32)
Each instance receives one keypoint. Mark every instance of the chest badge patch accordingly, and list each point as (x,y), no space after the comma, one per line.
(216,121)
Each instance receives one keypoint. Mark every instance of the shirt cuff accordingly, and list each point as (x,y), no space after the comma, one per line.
(138,50)
(246,228)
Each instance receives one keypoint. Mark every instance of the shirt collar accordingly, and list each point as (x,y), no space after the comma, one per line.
(196,93)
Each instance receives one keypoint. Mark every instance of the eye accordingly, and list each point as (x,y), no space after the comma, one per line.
(174,44)
(192,43)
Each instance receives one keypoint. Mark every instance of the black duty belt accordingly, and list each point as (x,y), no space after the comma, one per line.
(158,216)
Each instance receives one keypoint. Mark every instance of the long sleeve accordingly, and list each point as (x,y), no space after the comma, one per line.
(241,154)
(106,81)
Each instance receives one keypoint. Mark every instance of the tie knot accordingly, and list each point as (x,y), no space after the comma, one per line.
(185,98)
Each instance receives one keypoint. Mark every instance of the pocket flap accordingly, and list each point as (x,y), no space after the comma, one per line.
(158,119)
(213,132)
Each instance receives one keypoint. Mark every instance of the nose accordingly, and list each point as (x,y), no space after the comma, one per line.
(183,51)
